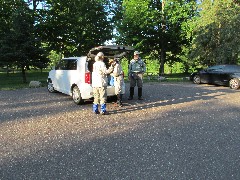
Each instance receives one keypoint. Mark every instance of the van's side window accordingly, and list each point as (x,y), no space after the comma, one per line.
(70,64)
(62,65)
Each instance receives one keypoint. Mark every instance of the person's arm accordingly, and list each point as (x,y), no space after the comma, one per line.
(109,70)
(104,70)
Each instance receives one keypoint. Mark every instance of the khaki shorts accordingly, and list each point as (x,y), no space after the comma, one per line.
(100,95)
(118,83)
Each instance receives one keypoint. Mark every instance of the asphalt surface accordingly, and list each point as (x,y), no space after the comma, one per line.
(179,131)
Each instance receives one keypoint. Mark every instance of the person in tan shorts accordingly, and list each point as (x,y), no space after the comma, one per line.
(99,84)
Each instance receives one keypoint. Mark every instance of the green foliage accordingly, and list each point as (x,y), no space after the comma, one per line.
(139,24)
(124,64)
(217,34)
(174,68)
(54,58)
(73,27)
(175,36)
(19,45)
(155,28)
(152,65)
(70,28)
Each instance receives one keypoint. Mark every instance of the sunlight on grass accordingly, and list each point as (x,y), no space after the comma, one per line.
(13,81)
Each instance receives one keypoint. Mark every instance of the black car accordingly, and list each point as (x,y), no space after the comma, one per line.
(226,75)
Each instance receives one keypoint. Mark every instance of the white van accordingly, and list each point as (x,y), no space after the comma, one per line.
(72,75)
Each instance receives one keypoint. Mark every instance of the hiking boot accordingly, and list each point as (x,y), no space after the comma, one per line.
(130,98)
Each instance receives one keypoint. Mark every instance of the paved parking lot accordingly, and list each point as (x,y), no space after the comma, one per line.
(179,131)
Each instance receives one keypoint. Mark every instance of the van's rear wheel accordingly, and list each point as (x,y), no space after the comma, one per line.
(76,95)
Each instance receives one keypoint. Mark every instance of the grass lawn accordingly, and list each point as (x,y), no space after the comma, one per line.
(13,81)
(178,77)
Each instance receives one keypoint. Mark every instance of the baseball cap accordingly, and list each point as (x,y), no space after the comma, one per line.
(100,54)
(136,53)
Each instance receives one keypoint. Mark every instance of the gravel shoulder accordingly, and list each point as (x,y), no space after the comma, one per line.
(179,131)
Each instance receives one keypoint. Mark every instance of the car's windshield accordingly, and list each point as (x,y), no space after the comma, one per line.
(215,68)
(224,68)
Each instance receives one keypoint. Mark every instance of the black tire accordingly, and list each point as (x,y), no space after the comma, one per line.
(76,96)
(196,79)
(234,83)
(50,87)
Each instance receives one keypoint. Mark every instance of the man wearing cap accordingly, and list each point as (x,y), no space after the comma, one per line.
(135,74)
(99,83)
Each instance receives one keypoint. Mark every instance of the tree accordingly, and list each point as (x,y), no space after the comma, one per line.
(19,45)
(217,33)
(5,25)
(154,26)
(74,27)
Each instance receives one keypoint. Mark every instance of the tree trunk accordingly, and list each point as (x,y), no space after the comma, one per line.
(186,68)
(163,50)
(24,74)
(162,60)
(34,6)
(7,70)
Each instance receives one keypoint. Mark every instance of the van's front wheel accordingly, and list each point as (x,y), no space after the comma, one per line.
(76,95)
(50,87)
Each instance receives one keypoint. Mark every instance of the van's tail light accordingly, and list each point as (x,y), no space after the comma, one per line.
(88,77)
(123,75)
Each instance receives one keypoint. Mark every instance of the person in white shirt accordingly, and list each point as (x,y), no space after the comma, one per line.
(118,79)
(99,84)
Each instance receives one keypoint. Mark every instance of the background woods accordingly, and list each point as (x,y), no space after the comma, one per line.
(186,34)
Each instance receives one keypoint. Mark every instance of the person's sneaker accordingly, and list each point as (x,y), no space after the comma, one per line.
(130,98)
(140,98)
(96,112)
(104,113)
